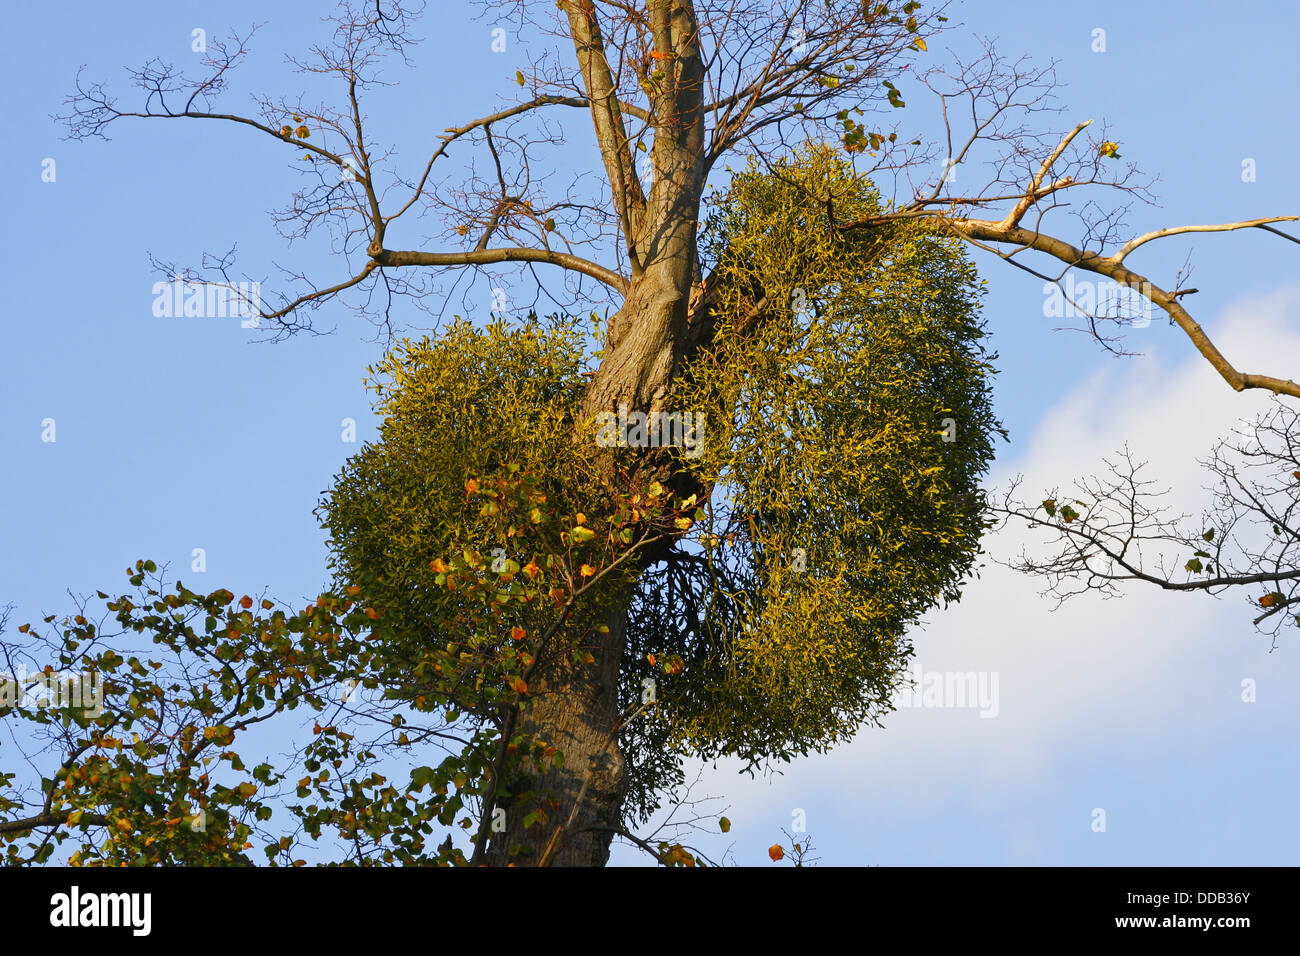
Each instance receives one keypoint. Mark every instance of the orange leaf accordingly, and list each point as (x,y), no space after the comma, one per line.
(518,633)
(519,685)
(471,486)
(775,852)
(586,570)
(245,602)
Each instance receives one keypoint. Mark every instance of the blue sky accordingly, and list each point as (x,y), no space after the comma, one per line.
(175,434)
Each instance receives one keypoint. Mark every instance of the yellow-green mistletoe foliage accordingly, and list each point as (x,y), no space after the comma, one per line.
(850,421)
(467,404)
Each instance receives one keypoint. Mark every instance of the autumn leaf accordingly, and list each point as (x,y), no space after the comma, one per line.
(518,633)
(775,852)
(471,486)
(518,685)
(245,602)
(724,825)
(586,570)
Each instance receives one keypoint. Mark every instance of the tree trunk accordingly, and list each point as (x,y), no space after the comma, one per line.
(646,342)
(575,709)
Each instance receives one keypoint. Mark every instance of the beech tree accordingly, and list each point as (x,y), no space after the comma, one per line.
(671,89)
